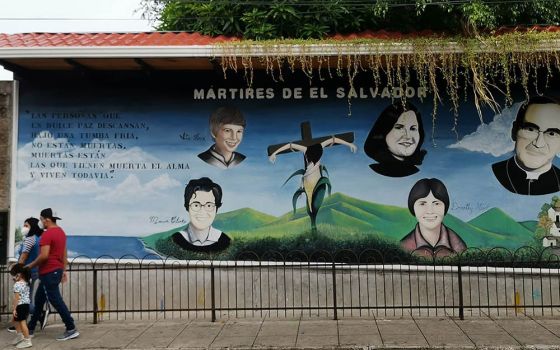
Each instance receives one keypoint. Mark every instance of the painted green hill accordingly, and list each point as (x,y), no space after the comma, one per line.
(150,241)
(351,217)
(391,222)
(244,219)
(477,237)
(385,219)
(496,220)
(381,211)
(236,220)
(530,225)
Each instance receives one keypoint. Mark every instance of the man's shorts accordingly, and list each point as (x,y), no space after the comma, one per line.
(22,312)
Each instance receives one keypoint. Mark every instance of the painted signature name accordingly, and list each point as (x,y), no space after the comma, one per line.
(469,206)
(166,220)
(185,136)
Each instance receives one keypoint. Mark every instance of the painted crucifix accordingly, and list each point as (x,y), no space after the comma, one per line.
(315,181)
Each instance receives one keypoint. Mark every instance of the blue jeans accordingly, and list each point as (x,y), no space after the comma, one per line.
(48,289)
(32,292)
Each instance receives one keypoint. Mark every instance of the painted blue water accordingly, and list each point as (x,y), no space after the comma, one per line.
(113,246)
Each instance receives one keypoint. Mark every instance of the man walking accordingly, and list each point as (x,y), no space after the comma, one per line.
(52,262)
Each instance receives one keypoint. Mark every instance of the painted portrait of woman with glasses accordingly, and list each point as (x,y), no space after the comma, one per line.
(536,133)
(203,197)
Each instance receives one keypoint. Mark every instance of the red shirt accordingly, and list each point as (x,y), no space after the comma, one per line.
(56,239)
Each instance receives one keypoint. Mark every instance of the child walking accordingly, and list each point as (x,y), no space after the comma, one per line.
(21,276)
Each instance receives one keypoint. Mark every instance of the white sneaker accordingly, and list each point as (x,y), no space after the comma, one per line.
(18,339)
(25,343)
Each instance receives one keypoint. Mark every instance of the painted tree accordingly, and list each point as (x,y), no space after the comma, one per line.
(259,19)
(544,222)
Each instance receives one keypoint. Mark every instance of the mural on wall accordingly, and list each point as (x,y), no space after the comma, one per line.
(173,173)
(428,201)
(395,141)
(314,176)
(536,133)
(203,198)
(227,126)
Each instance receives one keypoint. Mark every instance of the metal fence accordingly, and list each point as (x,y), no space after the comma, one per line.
(319,284)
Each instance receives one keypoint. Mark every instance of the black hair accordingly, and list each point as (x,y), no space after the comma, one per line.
(34,229)
(423,187)
(520,118)
(313,153)
(22,270)
(376,147)
(206,185)
(226,115)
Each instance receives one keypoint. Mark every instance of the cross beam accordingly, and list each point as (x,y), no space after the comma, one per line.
(308,140)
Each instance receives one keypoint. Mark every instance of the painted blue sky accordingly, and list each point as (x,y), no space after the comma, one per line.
(127,203)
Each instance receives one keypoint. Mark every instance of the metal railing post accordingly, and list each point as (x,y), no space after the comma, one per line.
(212,292)
(334,290)
(95,306)
(460,281)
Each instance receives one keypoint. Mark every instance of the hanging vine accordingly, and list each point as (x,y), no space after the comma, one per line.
(483,68)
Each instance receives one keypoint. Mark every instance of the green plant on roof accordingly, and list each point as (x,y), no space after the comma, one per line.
(461,51)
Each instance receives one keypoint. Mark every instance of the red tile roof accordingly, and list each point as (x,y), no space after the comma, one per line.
(109,39)
(189,39)
(158,38)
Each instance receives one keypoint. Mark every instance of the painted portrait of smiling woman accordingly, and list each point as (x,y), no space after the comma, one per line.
(395,141)
(428,201)
(227,127)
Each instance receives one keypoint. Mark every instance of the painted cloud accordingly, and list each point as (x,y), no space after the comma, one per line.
(132,190)
(493,138)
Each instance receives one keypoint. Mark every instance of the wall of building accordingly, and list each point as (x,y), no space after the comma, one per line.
(125,150)
(7,90)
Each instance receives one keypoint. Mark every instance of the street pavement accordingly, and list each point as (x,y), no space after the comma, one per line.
(307,333)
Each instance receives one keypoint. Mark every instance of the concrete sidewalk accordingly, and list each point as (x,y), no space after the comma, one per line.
(397,333)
